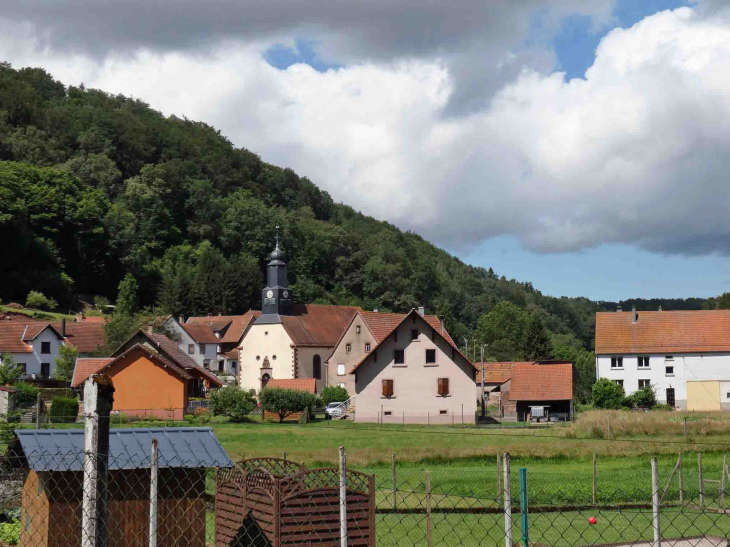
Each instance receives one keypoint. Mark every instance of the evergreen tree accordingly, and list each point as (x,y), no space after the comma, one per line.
(127,303)
(536,346)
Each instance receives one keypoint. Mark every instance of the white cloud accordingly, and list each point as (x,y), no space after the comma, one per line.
(635,153)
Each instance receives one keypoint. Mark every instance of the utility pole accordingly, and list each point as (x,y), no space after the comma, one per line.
(466,352)
(484,408)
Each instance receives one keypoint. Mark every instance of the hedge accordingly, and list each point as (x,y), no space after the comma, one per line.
(64,410)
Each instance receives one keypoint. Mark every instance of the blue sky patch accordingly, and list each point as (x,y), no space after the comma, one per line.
(282,57)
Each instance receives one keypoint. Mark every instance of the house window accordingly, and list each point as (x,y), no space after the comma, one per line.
(643,361)
(206,364)
(45,370)
(414,334)
(348,348)
(317,367)
(443,412)
(367,347)
(669,370)
(340,370)
(643,384)
(388,388)
(443,387)
(341,384)
(619,383)
(617,362)
(202,349)
(388,412)
(191,349)
(430,356)
(357,329)
(45,347)
(399,356)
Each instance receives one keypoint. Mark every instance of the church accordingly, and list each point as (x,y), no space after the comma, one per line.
(289,341)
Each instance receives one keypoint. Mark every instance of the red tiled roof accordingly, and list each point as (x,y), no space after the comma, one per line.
(231,354)
(8,389)
(380,326)
(84,336)
(541,382)
(35,328)
(300,384)
(700,331)
(85,367)
(181,358)
(497,373)
(11,337)
(202,334)
(237,324)
(317,325)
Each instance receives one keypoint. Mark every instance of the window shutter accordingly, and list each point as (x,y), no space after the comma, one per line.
(446,387)
(440,386)
(387,388)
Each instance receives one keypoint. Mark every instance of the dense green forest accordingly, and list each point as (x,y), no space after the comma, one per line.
(95,186)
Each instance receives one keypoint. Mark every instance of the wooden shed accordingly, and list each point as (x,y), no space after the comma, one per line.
(276,503)
(51,507)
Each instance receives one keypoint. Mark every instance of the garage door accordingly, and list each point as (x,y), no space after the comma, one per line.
(703,396)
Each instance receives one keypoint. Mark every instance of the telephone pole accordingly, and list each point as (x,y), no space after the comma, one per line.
(484,409)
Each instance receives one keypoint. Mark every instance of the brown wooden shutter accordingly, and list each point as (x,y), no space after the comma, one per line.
(443,387)
(446,386)
(387,388)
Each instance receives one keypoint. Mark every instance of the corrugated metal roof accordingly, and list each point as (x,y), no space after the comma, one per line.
(63,449)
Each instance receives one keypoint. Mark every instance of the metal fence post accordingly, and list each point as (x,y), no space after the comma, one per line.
(681,479)
(394,483)
(702,483)
(655,502)
(721,500)
(98,399)
(524,507)
(507,503)
(499,479)
(343,497)
(38,411)
(153,493)
(595,478)
(428,509)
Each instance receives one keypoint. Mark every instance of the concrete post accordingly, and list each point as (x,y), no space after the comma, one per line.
(154,469)
(98,400)
(655,502)
(343,497)
(507,503)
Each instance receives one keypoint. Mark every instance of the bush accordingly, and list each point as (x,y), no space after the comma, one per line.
(10,533)
(101,302)
(10,373)
(334,394)
(232,402)
(25,393)
(644,398)
(286,402)
(662,406)
(64,410)
(608,394)
(37,300)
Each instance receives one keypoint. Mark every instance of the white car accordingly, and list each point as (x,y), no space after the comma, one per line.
(333,410)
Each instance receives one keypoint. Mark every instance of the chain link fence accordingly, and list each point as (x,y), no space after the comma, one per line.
(140,495)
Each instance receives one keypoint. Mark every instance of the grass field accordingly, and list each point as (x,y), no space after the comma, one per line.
(51,316)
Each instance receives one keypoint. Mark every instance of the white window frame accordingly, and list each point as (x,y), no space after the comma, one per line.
(348,348)
(646,381)
(643,359)
(619,382)
(619,362)
(341,370)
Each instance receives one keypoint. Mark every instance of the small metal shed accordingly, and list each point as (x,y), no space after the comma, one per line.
(51,511)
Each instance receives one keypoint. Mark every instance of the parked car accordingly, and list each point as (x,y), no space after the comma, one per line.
(332,410)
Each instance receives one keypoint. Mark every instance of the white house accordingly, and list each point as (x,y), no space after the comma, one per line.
(33,347)
(197,341)
(683,355)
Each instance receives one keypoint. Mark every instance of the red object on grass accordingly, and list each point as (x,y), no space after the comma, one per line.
(592,521)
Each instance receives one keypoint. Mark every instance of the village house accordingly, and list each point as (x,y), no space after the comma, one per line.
(541,390)
(415,374)
(289,341)
(496,378)
(152,376)
(34,345)
(198,341)
(683,355)
(366,330)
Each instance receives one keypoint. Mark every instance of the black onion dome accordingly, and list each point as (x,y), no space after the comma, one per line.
(277,254)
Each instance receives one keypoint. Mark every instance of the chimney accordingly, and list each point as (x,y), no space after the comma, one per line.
(634,315)
(63,327)
(618,309)
(209,314)
(660,307)
(181,319)
(421,310)
(219,314)
(150,328)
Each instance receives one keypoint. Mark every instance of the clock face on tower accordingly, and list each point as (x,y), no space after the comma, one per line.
(285,294)
(269,294)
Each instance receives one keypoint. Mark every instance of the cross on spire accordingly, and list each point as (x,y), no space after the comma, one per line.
(277,236)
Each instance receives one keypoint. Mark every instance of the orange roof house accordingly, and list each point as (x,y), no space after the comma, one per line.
(646,332)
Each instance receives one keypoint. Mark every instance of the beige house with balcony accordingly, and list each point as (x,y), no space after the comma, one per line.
(415,374)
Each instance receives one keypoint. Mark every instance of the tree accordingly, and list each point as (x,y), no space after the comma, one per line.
(608,394)
(232,402)
(25,393)
(585,367)
(65,363)
(643,398)
(286,402)
(10,373)
(536,346)
(504,329)
(127,303)
(334,394)
(37,300)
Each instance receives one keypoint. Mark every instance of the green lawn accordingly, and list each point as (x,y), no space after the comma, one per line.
(51,316)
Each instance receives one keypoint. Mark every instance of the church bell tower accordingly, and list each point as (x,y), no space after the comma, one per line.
(276,298)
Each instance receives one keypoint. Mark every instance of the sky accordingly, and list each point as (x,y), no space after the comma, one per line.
(582,146)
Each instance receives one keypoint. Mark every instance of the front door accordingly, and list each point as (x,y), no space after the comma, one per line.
(46,370)
(670,396)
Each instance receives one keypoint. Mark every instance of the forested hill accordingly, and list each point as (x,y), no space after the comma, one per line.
(94,186)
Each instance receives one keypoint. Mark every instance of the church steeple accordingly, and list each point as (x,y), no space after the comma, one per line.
(276,296)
